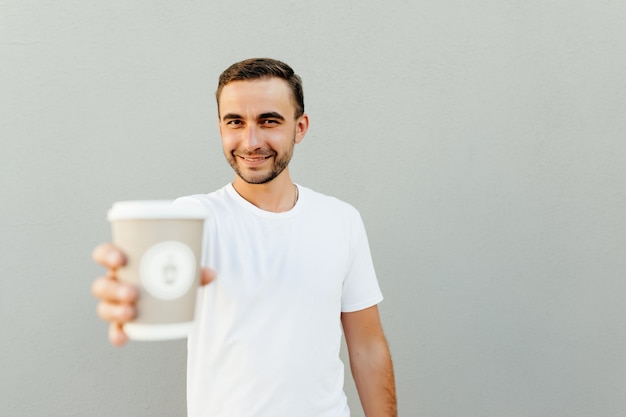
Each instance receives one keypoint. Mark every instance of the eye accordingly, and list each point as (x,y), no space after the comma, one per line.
(270,122)
(234,123)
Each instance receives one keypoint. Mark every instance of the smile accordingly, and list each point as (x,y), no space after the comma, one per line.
(254,158)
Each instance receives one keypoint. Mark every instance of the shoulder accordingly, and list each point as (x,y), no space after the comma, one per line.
(326,206)
(323,200)
(214,202)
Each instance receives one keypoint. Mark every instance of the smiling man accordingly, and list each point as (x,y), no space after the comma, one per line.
(287,269)
(260,125)
(259,128)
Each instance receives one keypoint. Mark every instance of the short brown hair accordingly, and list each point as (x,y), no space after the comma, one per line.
(257,68)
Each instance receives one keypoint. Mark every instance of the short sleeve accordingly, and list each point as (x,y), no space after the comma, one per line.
(360,287)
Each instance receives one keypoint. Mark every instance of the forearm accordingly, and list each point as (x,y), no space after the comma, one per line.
(372,370)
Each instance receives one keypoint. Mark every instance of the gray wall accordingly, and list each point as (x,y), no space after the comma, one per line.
(482,141)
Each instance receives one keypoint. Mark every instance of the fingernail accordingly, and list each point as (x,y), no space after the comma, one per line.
(124,312)
(114,258)
(126,293)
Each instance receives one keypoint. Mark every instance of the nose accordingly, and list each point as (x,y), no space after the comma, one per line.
(251,138)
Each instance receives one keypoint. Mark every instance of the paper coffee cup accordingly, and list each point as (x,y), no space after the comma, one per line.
(163,244)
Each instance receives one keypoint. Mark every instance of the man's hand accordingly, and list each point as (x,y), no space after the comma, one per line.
(117,299)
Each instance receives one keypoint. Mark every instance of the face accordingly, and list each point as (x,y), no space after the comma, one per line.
(258,128)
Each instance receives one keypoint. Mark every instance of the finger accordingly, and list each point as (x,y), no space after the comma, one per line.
(117,337)
(117,313)
(108,256)
(207,275)
(106,288)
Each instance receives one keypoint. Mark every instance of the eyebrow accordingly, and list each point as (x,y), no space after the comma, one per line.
(271,115)
(231,116)
(262,116)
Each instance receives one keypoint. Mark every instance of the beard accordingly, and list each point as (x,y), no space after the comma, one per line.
(261,175)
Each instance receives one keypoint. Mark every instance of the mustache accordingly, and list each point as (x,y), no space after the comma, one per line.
(259,153)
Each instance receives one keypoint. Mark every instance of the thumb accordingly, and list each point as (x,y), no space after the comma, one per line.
(207,275)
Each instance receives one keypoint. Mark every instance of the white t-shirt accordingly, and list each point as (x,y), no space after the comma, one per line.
(268,331)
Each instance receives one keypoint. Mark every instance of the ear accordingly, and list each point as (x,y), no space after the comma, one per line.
(302,126)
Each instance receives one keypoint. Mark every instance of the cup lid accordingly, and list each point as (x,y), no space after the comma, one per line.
(153,209)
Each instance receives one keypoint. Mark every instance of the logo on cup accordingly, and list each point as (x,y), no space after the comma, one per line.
(167,270)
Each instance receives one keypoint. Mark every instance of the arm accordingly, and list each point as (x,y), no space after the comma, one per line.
(370,361)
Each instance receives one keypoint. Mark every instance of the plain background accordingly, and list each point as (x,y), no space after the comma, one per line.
(483,142)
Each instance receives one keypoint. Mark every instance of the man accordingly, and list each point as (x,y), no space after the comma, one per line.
(289,268)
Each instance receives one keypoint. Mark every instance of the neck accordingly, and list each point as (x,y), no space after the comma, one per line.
(278,195)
